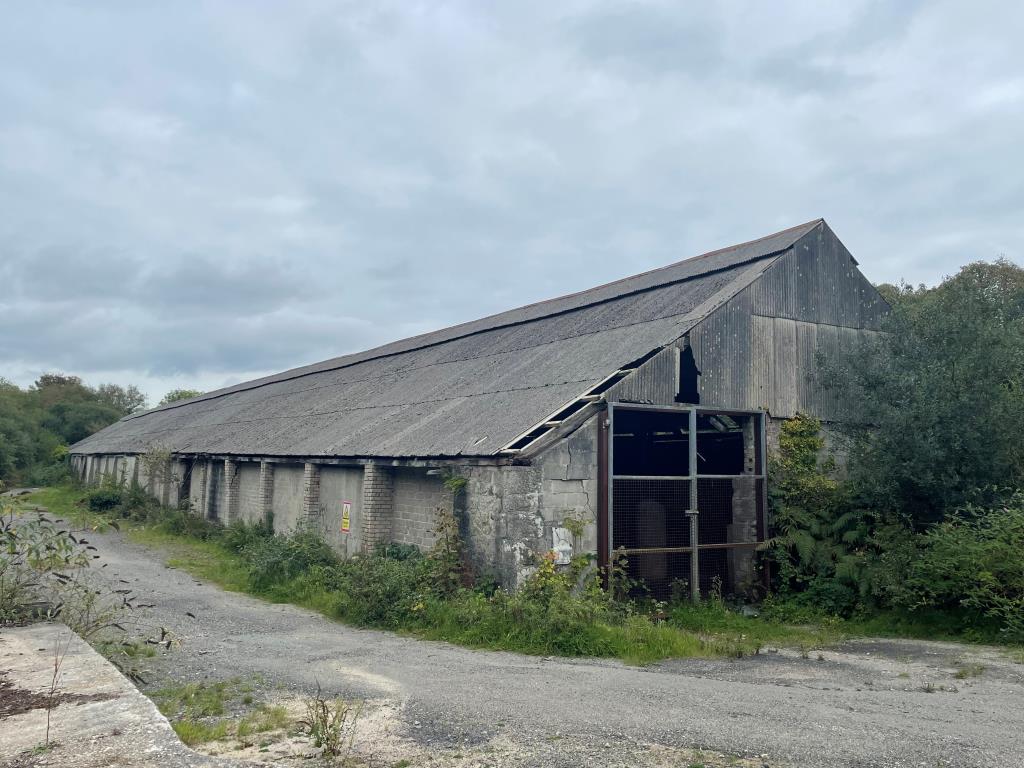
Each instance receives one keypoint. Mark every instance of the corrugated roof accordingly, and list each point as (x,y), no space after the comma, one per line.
(465,390)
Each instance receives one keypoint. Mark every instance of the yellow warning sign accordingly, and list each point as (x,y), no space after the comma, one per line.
(346,516)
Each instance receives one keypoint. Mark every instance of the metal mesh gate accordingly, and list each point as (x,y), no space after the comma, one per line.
(679,474)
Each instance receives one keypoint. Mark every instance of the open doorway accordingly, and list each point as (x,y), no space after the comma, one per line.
(655,480)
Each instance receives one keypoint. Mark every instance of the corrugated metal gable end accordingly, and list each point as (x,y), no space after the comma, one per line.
(761,349)
(467,390)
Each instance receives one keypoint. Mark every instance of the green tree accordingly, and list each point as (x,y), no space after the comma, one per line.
(124,399)
(22,441)
(940,396)
(36,424)
(179,394)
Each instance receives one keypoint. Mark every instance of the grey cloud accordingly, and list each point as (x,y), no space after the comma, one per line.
(215,194)
(654,39)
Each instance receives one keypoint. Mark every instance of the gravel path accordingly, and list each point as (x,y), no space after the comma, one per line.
(868,703)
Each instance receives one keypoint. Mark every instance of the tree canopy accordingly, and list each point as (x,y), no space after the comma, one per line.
(58,410)
(179,394)
(943,394)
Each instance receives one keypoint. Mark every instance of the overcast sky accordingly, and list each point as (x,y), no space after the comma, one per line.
(192,194)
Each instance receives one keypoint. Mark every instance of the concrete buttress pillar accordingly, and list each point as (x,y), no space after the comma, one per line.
(743,528)
(166,473)
(266,493)
(204,493)
(311,493)
(378,484)
(230,490)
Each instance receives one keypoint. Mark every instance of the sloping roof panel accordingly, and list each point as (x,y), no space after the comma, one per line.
(465,390)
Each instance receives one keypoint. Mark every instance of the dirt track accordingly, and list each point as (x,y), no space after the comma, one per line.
(868,703)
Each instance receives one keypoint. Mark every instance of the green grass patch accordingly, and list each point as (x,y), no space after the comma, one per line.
(67,502)
(263,719)
(968,670)
(193,732)
(711,619)
(215,711)
(127,648)
(195,700)
(204,559)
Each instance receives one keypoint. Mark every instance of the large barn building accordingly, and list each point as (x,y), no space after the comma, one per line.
(633,417)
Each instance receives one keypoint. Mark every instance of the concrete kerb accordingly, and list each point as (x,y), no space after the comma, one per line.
(101,719)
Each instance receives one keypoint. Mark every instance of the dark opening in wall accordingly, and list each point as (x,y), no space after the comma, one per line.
(651,443)
(689,385)
(719,446)
(185,491)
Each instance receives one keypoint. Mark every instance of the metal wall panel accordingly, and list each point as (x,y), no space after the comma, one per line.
(722,350)
(818,282)
(761,391)
(762,349)
(656,381)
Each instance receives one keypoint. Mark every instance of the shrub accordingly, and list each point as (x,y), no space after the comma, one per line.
(397,551)
(447,559)
(274,560)
(49,474)
(105,497)
(974,561)
(238,535)
(821,546)
(181,522)
(380,591)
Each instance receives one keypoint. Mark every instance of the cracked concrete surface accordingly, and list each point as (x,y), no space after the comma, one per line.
(102,719)
(866,703)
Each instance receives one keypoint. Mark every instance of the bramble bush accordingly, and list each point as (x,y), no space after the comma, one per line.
(972,562)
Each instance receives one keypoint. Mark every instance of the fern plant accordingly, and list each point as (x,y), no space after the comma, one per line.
(821,540)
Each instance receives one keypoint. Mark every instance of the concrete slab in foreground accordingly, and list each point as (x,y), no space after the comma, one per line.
(98,719)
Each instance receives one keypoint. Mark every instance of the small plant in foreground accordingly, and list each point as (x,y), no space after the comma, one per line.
(60,649)
(330,724)
(965,671)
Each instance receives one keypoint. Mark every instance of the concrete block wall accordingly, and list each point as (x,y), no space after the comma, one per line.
(287,499)
(337,486)
(415,498)
(250,507)
(377,513)
(506,513)
(512,511)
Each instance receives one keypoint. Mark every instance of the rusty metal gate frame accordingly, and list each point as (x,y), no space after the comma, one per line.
(606,461)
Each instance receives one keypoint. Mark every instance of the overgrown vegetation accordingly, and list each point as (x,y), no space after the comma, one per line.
(557,611)
(927,520)
(45,575)
(330,724)
(179,394)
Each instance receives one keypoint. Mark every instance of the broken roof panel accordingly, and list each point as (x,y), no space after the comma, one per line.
(465,390)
